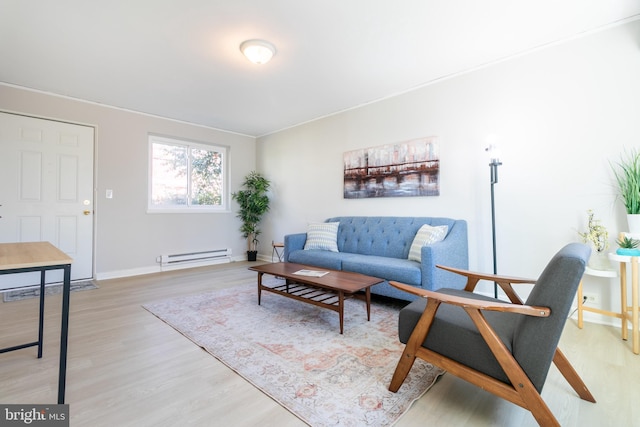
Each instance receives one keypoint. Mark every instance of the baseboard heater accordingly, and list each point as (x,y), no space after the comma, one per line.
(195,259)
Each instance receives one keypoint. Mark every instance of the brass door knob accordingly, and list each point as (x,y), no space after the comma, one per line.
(87,212)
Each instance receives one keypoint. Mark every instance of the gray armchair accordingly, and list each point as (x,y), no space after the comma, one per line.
(504,348)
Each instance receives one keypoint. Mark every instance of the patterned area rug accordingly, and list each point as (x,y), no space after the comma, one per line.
(293,352)
(32,292)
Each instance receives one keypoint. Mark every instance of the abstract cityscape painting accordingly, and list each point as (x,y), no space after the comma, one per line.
(404,169)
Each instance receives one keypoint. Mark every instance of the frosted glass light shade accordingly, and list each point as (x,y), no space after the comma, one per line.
(258,51)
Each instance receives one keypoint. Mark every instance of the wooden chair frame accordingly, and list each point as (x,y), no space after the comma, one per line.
(521,391)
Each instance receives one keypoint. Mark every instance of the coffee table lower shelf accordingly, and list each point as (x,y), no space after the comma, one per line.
(315,296)
(327,292)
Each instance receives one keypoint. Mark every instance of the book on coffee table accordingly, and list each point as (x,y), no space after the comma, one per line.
(311,273)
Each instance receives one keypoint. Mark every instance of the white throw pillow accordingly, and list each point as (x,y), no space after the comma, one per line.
(323,236)
(426,236)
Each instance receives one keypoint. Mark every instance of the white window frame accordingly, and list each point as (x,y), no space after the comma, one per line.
(188,208)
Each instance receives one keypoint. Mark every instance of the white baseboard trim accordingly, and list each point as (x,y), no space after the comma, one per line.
(196,263)
(159,269)
(596,318)
(127,273)
(266,258)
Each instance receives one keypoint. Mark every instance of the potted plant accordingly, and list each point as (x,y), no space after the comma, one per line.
(254,203)
(598,236)
(627,176)
(628,246)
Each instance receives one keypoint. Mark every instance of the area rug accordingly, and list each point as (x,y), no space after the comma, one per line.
(32,292)
(293,352)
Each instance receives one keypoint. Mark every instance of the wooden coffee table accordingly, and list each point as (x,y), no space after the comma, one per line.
(328,291)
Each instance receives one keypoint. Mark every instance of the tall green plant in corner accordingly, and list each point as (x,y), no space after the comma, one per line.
(627,174)
(254,203)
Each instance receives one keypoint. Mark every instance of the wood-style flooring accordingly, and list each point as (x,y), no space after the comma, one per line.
(128,368)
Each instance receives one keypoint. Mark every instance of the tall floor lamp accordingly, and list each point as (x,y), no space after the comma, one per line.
(494,155)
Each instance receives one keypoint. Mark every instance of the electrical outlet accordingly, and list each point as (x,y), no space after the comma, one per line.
(591,299)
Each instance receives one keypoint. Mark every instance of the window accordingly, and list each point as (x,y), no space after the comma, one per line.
(186,176)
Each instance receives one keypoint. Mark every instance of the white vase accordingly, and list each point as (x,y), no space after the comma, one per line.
(599,260)
(633,221)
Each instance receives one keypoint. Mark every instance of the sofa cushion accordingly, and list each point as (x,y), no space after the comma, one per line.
(319,258)
(401,270)
(426,235)
(322,236)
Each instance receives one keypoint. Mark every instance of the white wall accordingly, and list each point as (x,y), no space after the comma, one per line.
(128,240)
(561,114)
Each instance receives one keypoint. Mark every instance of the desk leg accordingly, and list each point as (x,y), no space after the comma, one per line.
(41,320)
(64,333)
(634,304)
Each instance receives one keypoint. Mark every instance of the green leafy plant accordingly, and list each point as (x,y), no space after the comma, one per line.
(254,203)
(627,176)
(596,233)
(628,243)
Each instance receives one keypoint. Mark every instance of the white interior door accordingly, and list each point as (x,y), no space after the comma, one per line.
(46,183)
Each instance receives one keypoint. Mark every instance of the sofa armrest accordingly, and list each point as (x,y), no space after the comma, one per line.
(453,251)
(293,242)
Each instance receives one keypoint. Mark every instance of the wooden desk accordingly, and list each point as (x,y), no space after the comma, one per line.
(41,256)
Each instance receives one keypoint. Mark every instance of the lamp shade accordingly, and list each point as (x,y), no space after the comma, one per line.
(258,51)
(494,153)
(492,150)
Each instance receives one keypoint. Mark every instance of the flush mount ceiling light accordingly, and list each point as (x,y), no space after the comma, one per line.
(258,51)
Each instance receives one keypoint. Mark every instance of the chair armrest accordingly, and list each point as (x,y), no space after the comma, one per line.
(504,282)
(487,276)
(475,303)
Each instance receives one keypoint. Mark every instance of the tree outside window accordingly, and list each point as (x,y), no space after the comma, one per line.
(186,175)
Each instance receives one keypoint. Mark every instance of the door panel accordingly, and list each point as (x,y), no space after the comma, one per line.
(46,183)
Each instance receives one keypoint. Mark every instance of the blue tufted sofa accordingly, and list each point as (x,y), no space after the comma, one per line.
(379,247)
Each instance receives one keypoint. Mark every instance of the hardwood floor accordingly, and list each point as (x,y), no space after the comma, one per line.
(127,368)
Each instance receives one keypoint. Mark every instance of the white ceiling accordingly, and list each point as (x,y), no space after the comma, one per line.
(180,59)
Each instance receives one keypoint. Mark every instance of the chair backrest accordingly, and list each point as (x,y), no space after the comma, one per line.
(536,338)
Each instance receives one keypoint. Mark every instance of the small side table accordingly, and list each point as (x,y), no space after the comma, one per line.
(278,250)
(626,309)
(581,307)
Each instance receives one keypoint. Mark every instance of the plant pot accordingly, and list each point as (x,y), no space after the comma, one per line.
(599,260)
(252,255)
(628,252)
(633,221)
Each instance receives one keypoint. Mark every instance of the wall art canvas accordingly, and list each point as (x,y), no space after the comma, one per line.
(404,169)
